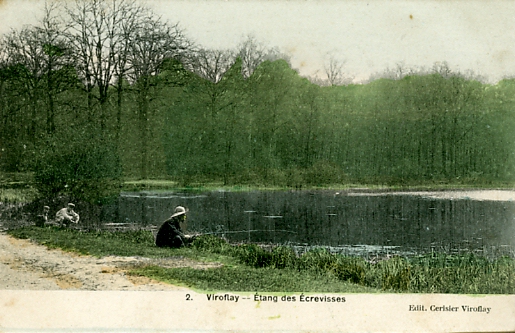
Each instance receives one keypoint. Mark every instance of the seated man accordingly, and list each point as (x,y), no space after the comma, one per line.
(42,218)
(170,233)
(66,216)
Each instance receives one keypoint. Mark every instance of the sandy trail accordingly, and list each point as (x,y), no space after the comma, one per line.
(28,266)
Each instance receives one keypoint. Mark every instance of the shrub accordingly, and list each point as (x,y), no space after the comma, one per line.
(295,178)
(85,169)
(324,173)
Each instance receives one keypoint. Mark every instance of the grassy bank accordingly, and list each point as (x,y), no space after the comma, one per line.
(19,187)
(247,267)
(170,185)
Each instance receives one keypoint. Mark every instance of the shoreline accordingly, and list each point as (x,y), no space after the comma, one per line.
(450,194)
(480,195)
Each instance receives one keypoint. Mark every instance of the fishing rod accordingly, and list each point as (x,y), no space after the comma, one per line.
(245,231)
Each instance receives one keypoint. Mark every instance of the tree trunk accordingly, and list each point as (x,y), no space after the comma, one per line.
(143,125)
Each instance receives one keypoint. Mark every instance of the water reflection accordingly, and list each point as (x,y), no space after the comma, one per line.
(344,220)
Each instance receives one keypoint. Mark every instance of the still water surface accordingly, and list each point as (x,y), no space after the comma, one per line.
(329,218)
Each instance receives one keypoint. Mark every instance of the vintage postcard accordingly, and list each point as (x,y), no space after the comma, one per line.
(230,165)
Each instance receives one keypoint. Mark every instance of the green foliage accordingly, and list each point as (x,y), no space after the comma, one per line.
(425,128)
(324,173)
(85,168)
(350,269)
(272,128)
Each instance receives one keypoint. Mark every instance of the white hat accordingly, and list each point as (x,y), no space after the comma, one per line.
(179,210)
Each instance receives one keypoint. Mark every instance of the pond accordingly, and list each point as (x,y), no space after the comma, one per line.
(348,221)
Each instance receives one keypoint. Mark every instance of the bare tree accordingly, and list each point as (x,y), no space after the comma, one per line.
(37,56)
(24,56)
(126,28)
(95,29)
(58,61)
(253,53)
(211,64)
(443,69)
(334,71)
(399,71)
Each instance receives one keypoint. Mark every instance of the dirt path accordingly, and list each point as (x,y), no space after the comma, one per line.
(28,266)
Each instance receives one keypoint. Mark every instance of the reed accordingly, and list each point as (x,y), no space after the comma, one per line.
(430,273)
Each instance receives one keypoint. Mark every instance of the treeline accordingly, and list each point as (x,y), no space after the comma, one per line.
(100,91)
(278,128)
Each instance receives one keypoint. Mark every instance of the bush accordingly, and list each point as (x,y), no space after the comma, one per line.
(324,173)
(295,178)
(85,169)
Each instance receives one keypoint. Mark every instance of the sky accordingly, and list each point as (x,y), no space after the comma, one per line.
(369,37)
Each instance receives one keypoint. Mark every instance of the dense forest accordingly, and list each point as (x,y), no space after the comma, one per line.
(102,91)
